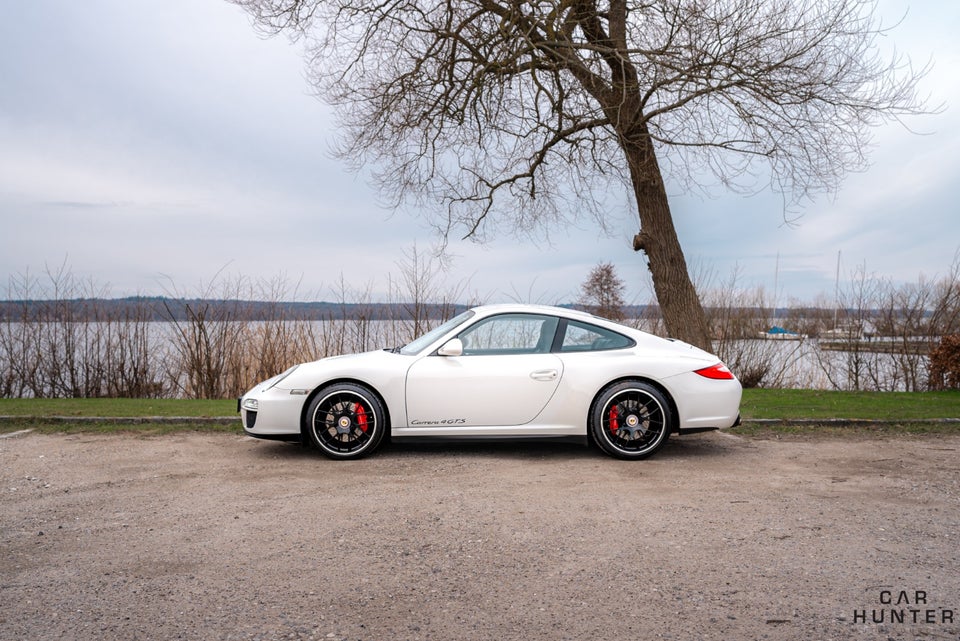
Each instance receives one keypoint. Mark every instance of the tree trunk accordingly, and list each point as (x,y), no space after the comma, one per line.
(680,306)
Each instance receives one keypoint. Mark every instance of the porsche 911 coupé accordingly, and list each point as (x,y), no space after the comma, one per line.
(499,371)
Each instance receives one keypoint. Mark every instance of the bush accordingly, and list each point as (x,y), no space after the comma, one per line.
(945,364)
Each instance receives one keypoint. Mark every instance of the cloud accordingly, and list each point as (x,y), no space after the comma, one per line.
(143,139)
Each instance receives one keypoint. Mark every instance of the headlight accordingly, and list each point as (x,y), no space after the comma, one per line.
(251,404)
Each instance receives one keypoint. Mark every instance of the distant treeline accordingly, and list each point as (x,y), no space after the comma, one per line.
(162,308)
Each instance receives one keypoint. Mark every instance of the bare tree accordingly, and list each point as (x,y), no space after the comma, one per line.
(519,115)
(602,292)
(207,334)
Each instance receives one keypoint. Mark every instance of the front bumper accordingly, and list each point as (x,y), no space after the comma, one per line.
(271,414)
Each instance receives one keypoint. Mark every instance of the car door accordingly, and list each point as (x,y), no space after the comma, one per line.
(506,375)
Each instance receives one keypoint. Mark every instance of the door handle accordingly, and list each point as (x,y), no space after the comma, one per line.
(544,375)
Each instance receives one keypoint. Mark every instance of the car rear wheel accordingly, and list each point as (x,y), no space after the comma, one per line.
(630,420)
(346,421)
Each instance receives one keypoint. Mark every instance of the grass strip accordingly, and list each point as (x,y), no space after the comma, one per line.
(764,411)
(113,415)
(802,405)
(117,407)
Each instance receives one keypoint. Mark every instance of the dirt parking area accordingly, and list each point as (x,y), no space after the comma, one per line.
(218,536)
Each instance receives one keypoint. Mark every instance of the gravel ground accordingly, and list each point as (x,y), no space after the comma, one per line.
(218,536)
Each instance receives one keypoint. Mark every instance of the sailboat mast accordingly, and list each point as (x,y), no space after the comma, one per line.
(836,293)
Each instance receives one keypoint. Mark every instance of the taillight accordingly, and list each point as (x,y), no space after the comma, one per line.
(718,372)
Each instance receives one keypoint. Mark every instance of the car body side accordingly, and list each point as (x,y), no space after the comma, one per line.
(698,403)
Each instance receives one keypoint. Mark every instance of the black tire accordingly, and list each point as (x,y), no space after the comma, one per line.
(345,421)
(631,420)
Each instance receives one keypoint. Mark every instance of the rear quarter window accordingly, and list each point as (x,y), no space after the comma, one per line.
(583,337)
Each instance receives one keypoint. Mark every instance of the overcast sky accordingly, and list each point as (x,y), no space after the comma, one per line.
(151,145)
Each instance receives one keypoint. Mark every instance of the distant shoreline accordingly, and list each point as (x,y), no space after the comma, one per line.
(162,308)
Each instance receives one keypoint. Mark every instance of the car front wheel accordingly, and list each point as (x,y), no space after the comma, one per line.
(630,420)
(346,421)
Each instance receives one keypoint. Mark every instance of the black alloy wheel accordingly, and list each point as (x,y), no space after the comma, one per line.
(346,421)
(631,420)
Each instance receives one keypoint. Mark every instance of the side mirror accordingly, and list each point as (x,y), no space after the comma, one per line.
(453,347)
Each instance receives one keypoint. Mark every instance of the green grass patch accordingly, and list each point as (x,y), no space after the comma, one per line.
(53,415)
(116,407)
(878,406)
(829,413)
(146,428)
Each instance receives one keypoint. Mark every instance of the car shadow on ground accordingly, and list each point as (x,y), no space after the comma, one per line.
(677,447)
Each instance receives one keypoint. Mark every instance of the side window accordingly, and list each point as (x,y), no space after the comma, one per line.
(510,334)
(581,337)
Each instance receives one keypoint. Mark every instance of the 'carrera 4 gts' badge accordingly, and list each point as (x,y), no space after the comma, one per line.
(442,421)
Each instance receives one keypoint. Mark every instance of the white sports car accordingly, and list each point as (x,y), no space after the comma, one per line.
(502,371)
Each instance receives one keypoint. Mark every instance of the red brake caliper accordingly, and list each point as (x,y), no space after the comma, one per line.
(614,419)
(361,416)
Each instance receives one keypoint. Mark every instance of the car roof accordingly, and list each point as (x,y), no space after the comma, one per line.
(564,312)
(505,308)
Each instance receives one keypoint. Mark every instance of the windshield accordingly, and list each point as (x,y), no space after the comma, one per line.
(418,345)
